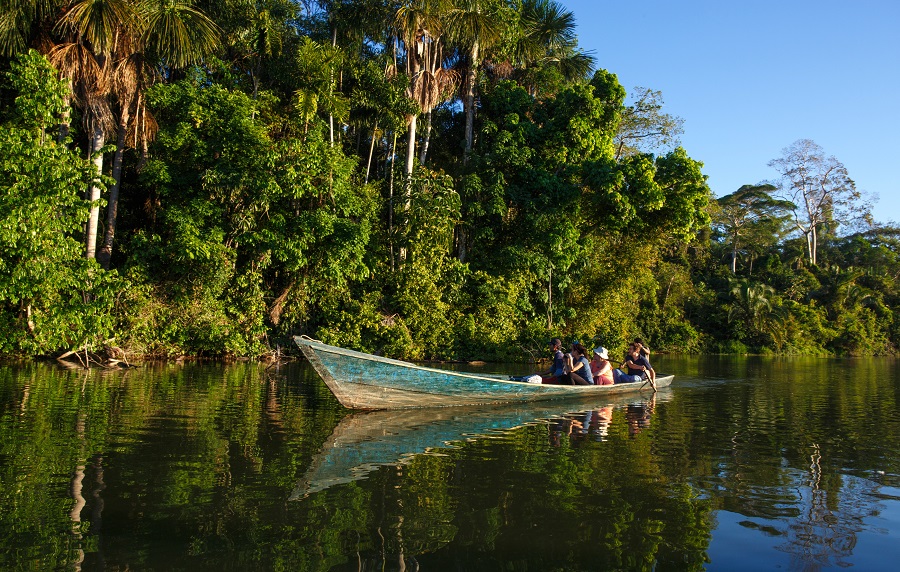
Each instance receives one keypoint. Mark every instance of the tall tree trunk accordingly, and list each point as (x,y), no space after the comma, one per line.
(425,143)
(105,254)
(331,89)
(93,193)
(470,101)
(411,147)
(29,319)
(550,298)
(813,244)
(809,245)
(141,123)
(330,130)
(407,188)
(734,259)
(391,199)
(461,238)
(662,308)
(371,150)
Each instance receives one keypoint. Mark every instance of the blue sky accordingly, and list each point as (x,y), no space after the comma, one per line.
(750,78)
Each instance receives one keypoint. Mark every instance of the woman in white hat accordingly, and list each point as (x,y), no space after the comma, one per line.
(601,368)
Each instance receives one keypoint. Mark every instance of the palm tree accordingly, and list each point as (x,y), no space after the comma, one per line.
(419,27)
(104,53)
(93,28)
(752,303)
(135,128)
(24,23)
(476,25)
(314,68)
(255,32)
(177,33)
(546,38)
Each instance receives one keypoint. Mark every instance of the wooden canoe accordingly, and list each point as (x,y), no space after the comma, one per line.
(365,381)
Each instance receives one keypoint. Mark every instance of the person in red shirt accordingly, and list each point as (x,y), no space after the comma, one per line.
(601,368)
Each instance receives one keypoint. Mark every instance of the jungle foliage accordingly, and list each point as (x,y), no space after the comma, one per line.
(424,179)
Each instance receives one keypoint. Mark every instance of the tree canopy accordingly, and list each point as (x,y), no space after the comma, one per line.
(425,179)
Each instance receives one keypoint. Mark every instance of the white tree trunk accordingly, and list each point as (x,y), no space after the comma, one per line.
(411,147)
(393,159)
(93,194)
(425,143)
(371,150)
(105,254)
(813,244)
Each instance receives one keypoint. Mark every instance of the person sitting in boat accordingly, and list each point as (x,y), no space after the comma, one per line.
(645,351)
(601,368)
(636,365)
(557,369)
(578,368)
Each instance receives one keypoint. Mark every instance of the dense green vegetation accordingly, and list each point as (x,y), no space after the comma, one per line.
(425,179)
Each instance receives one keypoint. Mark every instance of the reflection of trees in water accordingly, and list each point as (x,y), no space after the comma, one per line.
(564,501)
(92,452)
(213,457)
(780,448)
(832,511)
(75,488)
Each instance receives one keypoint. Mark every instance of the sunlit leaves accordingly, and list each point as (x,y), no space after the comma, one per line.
(52,299)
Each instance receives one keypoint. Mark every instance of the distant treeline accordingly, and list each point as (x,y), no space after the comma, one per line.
(429,179)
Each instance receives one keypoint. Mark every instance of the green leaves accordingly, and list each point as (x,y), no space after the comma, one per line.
(316,68)
(50,297)
(176,31)
(99,21)
(41,99)
(255,225)
(685,195)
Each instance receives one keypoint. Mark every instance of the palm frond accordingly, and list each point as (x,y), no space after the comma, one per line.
(19,19)
(99,21)
(179,33)
(89,82)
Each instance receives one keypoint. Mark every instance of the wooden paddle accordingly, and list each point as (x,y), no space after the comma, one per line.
(650,381)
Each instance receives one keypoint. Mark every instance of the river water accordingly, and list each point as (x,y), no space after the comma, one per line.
(743,464)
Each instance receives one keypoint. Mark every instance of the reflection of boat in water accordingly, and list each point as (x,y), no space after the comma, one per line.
(364,441)
(365,381)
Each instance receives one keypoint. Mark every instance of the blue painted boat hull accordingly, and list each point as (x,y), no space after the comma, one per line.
(365,381)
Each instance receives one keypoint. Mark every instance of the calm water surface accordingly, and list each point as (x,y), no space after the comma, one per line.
(744,464)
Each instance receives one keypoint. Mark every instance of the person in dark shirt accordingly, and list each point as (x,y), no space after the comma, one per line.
(645,351)
(637,366)
(556,370)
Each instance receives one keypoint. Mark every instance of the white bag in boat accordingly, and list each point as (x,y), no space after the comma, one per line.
(534,379)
